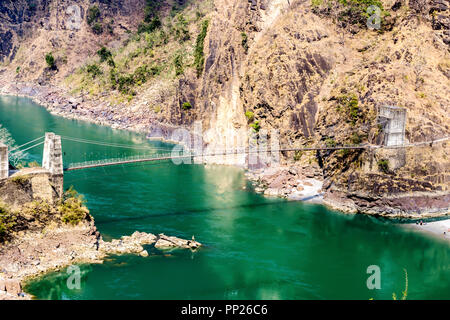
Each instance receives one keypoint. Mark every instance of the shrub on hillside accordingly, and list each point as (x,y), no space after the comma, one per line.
(181,31)
(104,54)
(50,60)
(7,222)
(151,26)
(186,106)
(178,62)
(250,116)
(93,14)
(97,28)
(94,70)
(125,82)
(21,180)
(38,209)
(256,126)
(330,143)
(244,41)
(151,8)
(353,12)
(383,165)
(298,155)
(72,207)
(348,103)
(93,17)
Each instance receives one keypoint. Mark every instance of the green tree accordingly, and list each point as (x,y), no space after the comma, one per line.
(186,106)
(50,60)
(93,14)
(250,116)
(104,54)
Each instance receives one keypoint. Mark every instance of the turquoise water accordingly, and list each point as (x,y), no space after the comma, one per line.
(255,248)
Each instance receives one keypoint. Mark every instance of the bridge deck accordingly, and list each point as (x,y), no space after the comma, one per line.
(138,159)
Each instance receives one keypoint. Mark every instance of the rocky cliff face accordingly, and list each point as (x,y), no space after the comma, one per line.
(30,29)
(311,70)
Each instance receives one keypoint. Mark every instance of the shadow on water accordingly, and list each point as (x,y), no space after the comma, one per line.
(193,211)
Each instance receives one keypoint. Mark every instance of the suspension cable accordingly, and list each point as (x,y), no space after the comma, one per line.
(111,144)
(26,144)
(38,144)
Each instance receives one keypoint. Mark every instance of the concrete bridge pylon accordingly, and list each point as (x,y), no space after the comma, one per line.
(4,164)
(52,161)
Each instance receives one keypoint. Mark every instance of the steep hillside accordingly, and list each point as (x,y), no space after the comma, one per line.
(312,70)
(38,27)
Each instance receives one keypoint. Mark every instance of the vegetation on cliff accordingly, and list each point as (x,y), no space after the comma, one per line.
(93,19)
(72,207)
(161,49)
(348,105)
(350,12)
(7,221)
(50,60)
(186,106)
(199,54)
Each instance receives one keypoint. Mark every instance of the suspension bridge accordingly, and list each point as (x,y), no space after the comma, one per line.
(188,155)
(391,119)
(52,158)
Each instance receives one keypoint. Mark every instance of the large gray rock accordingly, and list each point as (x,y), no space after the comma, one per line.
(166,242)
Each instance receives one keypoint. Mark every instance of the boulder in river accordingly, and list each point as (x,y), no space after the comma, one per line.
(166,242)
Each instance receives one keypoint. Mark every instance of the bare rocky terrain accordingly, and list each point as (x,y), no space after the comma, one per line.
(308,69)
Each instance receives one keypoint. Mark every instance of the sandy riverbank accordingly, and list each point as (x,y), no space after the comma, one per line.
(440,228)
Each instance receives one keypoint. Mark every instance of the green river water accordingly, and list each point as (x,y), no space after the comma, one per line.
(255,248)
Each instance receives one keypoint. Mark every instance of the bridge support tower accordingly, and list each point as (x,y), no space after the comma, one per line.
(4,164)
(52,161)
(395,123)
(394,119)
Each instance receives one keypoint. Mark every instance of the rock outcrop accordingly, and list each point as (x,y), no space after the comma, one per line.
(294,182)
(33,254)
(40,232)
